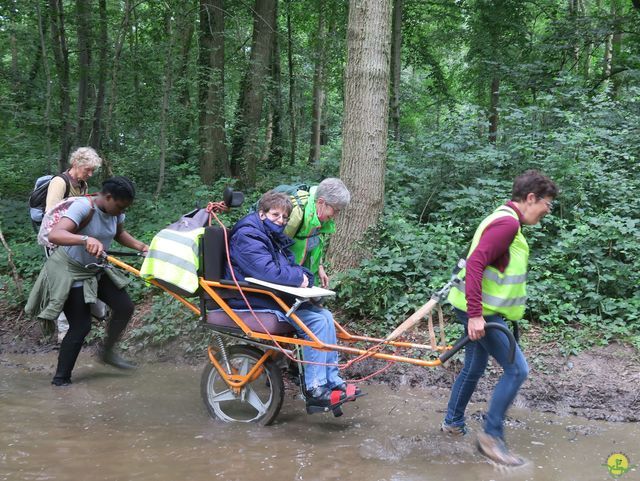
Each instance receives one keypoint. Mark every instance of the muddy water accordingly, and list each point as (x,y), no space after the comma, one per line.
(152,425)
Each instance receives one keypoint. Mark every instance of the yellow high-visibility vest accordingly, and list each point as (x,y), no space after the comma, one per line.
(174,258)
(503,293)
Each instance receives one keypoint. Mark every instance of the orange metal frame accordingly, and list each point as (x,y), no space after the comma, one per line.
(236,381)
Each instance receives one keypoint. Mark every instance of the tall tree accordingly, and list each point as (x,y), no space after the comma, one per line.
(246,148)
(61,57)
(318,87)
(276,147)
(167,84)
(212,136)
(107,170)
(103,49)
(47,73)
(396,49)
(292,82)
(365,125)
(83,26)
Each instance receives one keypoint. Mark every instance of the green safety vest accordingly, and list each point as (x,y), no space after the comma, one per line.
(174,258)
(503,293)
(308,232)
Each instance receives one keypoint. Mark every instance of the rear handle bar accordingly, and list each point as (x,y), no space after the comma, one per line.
(464,340)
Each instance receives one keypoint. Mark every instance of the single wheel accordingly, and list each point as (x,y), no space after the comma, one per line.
(259,401)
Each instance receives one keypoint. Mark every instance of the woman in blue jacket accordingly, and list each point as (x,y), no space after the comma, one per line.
(259,248)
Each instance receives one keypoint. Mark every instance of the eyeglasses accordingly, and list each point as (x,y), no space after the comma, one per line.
(274,216)
(548,203)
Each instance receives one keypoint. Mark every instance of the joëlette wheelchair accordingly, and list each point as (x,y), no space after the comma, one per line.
(251,352)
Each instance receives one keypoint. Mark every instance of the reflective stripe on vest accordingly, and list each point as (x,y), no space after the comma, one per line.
(174,258)
(503,293)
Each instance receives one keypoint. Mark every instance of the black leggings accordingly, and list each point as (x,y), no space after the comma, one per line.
(79,316)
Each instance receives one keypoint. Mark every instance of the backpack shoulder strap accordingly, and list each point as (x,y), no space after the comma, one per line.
(67,181)
(87,219)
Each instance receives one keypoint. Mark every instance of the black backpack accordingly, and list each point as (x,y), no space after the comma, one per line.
(38,197)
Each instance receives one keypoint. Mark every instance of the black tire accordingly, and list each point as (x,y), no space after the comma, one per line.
(258,402)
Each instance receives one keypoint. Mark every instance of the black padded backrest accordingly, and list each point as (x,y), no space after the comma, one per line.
(214,254)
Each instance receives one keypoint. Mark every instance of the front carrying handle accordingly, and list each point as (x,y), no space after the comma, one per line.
(464,340)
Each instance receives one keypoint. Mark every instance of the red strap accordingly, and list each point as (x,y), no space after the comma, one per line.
(335,396)
(351,390)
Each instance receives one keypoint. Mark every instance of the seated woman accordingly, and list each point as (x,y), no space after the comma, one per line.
(259,248)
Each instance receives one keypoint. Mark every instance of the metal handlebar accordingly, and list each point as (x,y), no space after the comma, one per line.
(464,340)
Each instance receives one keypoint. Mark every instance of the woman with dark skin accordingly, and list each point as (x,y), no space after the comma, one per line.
(71,281)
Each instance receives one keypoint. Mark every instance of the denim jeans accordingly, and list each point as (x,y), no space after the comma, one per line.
(476,357)
(320,322)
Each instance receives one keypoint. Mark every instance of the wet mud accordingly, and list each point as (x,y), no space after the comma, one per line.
(151,424)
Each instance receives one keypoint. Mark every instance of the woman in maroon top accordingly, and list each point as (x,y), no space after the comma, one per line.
(532,197)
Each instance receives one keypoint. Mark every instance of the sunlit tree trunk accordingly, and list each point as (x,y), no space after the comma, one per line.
(61,56)
(292,113)
(365,126)
(246,148)
(493,108)
(318,88)
(396,66)
(212,137)
(83,16)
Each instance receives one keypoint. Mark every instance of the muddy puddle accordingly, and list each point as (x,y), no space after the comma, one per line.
(152,425)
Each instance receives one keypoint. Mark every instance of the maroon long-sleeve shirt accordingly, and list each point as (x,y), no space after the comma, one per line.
(492,250)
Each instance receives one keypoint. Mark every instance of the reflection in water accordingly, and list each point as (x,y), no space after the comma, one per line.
(152,424)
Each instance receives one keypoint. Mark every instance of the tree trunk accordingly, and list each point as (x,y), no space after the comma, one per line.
(166,92)
(212,137)
(365,126)
(184,120)
(493,108)
(292,113)
(318,88)
(616,46)
(95,137)
(47,74)
(396,66)
(276,150)
(83,14)
(61,56)
(113,86)
(246,140)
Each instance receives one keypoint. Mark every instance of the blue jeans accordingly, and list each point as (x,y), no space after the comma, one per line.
(320,322)
(476,357)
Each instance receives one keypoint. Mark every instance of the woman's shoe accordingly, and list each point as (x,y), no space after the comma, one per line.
(61,381)
(345,388)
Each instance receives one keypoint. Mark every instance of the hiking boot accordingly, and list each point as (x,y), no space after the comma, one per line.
(455,431)
(114,359)
(496,450)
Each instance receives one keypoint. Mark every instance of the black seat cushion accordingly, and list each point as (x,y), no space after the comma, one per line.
(269,321)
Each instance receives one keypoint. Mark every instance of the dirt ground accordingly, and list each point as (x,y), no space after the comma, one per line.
(600,383)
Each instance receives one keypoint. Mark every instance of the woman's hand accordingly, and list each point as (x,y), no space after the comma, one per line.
(324,278)
(93,246)
(305,281)
(475,328)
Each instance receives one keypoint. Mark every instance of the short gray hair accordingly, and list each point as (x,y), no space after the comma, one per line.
(334,193)
(85,156)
